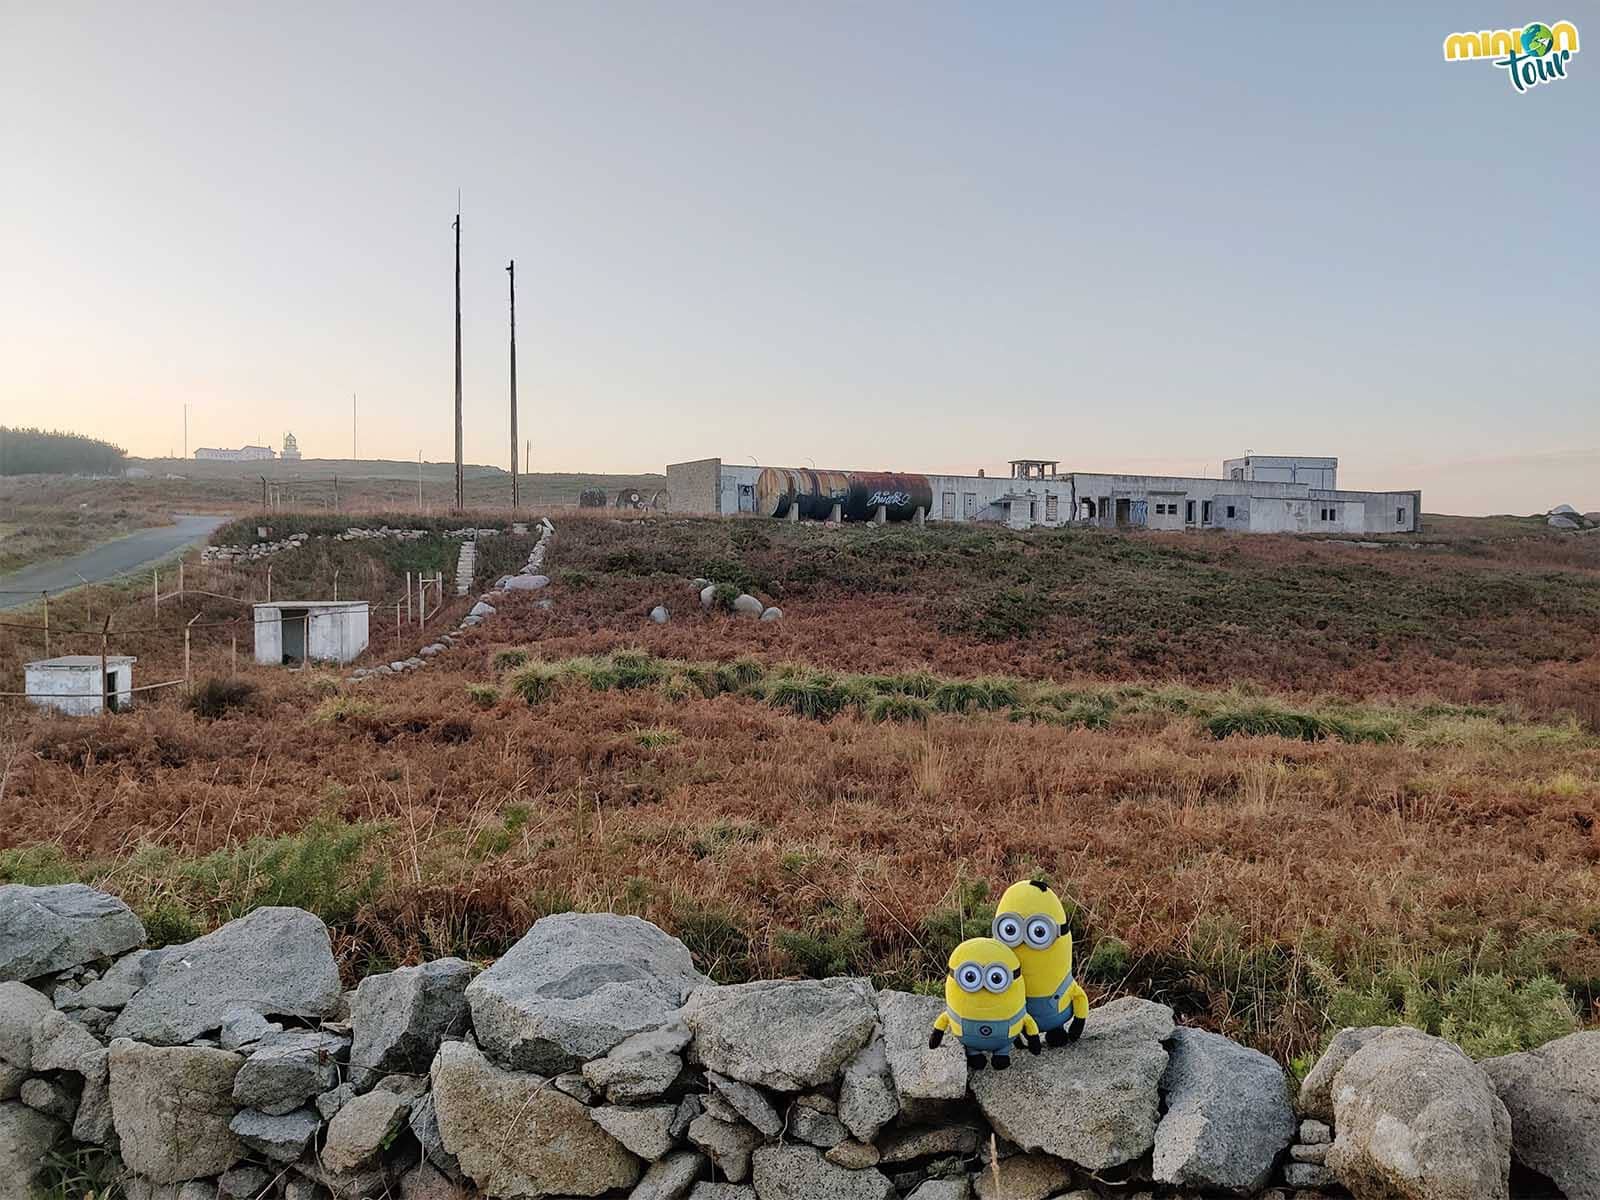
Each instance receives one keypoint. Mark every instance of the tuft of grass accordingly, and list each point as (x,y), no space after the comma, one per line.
(80,1173)
(743,672)
(483,695)
(320,869)
(41,865)
(899,709)
(838,948)
(715,937)
(535,682)
(814,694)
(1265,719)
(508,660)
(340,710)
(657,737)
(216,697)
(1108,961)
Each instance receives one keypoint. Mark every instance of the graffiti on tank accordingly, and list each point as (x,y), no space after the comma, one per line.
(891,499)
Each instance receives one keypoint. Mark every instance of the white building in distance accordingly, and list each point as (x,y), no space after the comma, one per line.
(74,683)
(243,454)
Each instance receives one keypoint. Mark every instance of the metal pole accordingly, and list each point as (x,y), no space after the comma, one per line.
(408,597)
(46,596)
(460,489)
(180,579)
(419,480)
(104,686)
(511,270)
(422,602)
(187,683)
(155,588)
(335,493)
(269,583)
(397,625)
(336,585)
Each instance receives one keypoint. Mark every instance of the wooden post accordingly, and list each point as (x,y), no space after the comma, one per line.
(511,270)
(336,585)
(46,596)
(408,597)
(269,583)
(397,624)
(335,493)
(187,683)
(460,479)
(422,600)
(104,629)
(233,657)
(155,588)
(180,579)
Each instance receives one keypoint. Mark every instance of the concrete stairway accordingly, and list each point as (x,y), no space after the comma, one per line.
(466,565)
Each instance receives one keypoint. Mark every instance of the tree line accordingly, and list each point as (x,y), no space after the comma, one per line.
(50,452)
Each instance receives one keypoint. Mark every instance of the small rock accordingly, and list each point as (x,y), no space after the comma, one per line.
(1022,1177)
(1316,1090)
(330,1102)
(426,1182)
(748,1102)
(482,609)
(904,1145)
(424,1121)
(282,1138)
(867,1099)
(708,596)
(288,1069)
(93,1122)
(59,1043)
(1315,1133)
(201,1189)
(242,1026)
(817,1125)
(21,1009)
(245,1182)
(1307,1175)
(726,1144)
(362,1128)
(801,1173)
(772,614)
(721,1191)
(118,985)
(747,605)
(575,1085)
(26,1139)
(1310,1154)
(646,1131)
(961,1189)
(671,1178)
(659,614)
(50,1097)
(852,1154)
(641,1067)
(527,583)
(401,1016)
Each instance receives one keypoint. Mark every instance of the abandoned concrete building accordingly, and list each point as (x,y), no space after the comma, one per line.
(81,685)
(1257,494)
(293,632)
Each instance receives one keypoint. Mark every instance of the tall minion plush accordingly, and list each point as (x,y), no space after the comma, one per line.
(1030,920)
(984,1004)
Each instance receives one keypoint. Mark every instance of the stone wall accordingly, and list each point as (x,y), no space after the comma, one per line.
(593,1059)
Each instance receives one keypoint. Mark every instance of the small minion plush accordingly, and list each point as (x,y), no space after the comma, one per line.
(985,1005)
(1030,920)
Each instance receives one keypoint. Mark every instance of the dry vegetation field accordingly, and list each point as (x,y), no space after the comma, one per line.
(1285,784)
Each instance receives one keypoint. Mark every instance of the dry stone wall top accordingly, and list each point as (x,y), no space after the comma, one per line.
(593,1059)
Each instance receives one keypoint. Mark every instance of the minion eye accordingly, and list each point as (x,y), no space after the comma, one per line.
(1041,932)
(997,979)
(1008,930)
(970,977)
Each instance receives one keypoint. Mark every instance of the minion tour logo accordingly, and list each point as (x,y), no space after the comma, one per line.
(1535,54)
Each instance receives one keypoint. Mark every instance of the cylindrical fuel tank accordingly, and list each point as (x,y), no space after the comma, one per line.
(859,494)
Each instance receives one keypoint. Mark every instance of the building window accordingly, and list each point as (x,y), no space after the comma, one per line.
(1188,512)
(1330,514)
(1205,512)
(1399,516)
(1052,508)
(950,505)
(1231,512)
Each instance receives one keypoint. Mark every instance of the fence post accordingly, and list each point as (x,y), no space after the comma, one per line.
(233,663)
(397,625)
(408,597)
(188,684)
(46,597)
(104,688)
(422,601)
(155,588)
(180,579)
(269,583)
(336,584)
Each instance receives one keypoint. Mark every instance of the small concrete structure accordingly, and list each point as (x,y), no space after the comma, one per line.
(74,684)
(299,631)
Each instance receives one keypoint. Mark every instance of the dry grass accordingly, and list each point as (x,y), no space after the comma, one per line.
(1261,884)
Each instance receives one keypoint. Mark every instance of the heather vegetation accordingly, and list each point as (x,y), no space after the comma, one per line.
(1283,784)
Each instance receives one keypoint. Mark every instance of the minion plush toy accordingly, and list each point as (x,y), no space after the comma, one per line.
(984,1004)
(1030,920)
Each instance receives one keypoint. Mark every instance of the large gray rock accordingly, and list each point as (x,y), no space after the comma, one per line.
(576,985)
(53,1097)
(26,1138)
(1316,1090)
(361,1128)
(814,1118)
(918,1072)
(1109,1081)
(282,1138)
(747,605)
(48,929)
(1228,1116)
(867,1099)
(21,1009)
(1022,1177)
(93,1122)
(288,1069)
(60,1043)
(171,1106)
(400,1017)
(424,1122)
(748,1102)
(784,1035)
(1553,1097)
(801,1173)
(718,1191)
(277,961)
(1416,1119)
(515,1136)
(647,1131)
(641,1067)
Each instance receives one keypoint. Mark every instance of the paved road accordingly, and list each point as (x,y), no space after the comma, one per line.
(107,561)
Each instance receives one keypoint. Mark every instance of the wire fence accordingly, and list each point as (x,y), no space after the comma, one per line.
(278,632)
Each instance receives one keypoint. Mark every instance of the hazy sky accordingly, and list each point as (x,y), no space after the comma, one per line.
(877,235)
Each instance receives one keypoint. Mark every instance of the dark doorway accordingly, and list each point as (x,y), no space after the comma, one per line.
(294,635)
(1124,511)
(111,691)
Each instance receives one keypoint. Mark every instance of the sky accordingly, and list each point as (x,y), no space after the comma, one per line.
(892,235)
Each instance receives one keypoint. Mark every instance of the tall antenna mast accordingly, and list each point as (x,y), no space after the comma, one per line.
(460,489)
(516,496)
(186,431)
(353,453)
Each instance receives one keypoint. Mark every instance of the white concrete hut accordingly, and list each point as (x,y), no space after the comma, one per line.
(289,632)
(73,683)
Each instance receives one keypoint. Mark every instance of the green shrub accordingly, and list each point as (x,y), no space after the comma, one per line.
(535,682)
(838,948)
(722,597)
(1265,719)
(1108,961)
(483,695)
(657,737)
(716,937)
(43,865)
(632,669)
(339,710)
(577,580)
(319,869)
(507,659)
(215,697)
(817,695)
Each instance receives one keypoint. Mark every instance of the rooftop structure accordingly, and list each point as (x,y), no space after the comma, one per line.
(291,448)
(81,685)
(243,454)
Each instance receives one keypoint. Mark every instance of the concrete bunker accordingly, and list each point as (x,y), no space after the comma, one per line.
(81,685)
(295,632)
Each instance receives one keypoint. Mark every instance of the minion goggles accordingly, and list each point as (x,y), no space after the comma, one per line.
(1039,931)
(973,977)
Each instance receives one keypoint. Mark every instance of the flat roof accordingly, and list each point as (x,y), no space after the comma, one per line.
(84,660)
(311,604)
